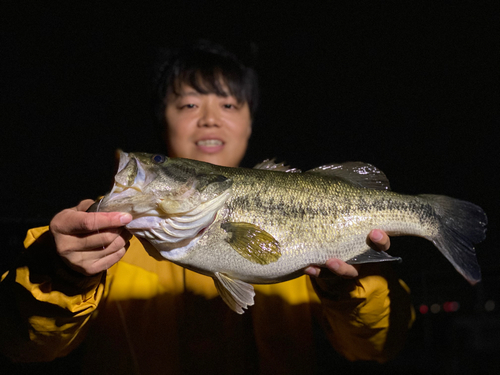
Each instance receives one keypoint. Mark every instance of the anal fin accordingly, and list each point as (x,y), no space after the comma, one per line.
(237,294)
(373,256)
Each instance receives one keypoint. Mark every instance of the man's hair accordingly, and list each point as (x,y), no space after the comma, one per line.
(208,68)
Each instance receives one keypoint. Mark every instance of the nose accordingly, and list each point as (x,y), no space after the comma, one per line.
(210,117)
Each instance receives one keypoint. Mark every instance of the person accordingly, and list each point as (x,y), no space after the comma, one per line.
(84,279)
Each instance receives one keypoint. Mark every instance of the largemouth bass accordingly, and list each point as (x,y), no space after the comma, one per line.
(267,224)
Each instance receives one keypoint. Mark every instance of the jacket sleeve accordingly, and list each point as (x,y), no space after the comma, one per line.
(45,306)
(367,318)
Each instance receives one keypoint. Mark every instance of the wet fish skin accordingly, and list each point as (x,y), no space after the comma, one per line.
(243,226)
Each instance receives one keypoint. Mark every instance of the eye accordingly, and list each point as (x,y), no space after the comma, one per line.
(158,158)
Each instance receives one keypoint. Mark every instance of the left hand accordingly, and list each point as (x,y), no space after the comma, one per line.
(378,240)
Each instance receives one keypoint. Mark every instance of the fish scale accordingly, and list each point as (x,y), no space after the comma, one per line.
(303,242)
(266,225)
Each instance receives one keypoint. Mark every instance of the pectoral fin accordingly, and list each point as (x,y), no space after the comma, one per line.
(237,294)
(252,243)
(373,256)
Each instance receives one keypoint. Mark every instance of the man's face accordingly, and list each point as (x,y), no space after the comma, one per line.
(207,127)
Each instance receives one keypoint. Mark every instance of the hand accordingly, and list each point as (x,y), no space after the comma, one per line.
(377,239)
(90,243)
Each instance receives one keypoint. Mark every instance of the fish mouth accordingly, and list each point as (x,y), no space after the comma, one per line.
(130,174)
(127,189)
(118,186)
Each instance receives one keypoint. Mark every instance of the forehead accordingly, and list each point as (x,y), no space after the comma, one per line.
(183,89)
(201,87)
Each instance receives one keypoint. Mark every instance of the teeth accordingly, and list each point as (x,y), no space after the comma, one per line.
(209,142)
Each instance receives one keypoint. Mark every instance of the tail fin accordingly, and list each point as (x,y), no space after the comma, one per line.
(463,225)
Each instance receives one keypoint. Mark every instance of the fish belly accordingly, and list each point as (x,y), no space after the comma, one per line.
(307,237)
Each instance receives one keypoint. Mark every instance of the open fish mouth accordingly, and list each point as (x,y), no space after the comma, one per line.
(123,161)
(131,191)
(167,207)
(130,174)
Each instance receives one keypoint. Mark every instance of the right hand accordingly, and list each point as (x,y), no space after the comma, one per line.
(377,239)
(87,242)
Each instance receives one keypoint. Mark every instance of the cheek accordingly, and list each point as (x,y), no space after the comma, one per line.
(240,141)
(173,138)
(177,127)
(176,133)
(249,130)
(243,130)
(177,139)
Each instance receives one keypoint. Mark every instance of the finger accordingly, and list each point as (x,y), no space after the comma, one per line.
(312,271)
(341,268)
(99,240)
(106,262)
(104,220)
(108,257)
(379,240)
(91,262)
(89,241)
(84,222)
(337,266)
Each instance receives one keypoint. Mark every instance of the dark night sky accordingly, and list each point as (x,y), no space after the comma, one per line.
(412,89)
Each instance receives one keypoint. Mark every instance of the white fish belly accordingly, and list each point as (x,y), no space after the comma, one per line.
(299,249)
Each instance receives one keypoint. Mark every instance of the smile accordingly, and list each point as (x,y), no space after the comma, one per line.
(209,143)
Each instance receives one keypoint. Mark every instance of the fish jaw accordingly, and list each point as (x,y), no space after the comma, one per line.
(172,234)
(171,206)
(128,193)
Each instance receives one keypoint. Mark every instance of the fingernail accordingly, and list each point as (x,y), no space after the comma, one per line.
(312,271)
(376,235)
(125,218)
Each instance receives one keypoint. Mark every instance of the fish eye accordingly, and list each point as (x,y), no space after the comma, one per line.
(158,158)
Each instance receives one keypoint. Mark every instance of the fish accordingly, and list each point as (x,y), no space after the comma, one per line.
(244,226)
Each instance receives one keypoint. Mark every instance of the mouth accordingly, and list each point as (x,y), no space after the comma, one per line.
(210,145)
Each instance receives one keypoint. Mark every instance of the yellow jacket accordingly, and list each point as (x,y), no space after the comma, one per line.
(153,317)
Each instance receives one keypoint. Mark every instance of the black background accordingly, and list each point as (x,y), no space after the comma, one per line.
(411,87)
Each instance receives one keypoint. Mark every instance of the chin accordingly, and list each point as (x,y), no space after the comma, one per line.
(218,159)
(223,162)
(212,159)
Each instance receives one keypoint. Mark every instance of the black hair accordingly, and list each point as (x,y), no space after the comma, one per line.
(207,67)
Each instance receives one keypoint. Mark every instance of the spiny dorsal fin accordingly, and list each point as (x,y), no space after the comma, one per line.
(252,243)
(271,165)
(237,294)
(357,173)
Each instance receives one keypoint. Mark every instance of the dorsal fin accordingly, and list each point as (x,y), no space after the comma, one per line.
(271,165)
(357,173)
